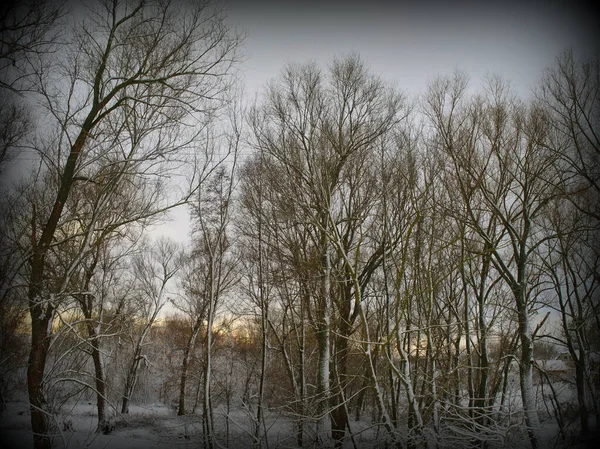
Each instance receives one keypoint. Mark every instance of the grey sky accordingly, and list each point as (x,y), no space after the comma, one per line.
(411,42)
(408,42)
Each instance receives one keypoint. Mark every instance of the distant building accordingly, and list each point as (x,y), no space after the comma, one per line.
(563,367)
(556,369)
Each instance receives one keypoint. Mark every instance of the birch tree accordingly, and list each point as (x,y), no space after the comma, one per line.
(298,97)
(259,283)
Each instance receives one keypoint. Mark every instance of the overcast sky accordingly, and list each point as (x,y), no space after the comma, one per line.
(412,42)
(408,43)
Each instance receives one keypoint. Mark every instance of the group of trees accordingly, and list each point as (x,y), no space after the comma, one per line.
(425,244)
(124,97)
(399,257)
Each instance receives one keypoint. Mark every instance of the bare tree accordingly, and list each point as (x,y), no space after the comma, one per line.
(211,265)
(26,29)
(571,92)
(303,86)
(277,266)
(498,158)
(318,132)
(153,271)
(96,280)
(171,59)
(193,304)
(571,263)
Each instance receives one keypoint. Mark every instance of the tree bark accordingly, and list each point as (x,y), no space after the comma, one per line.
(323,331)
(41,325)
(133,369)
(207,412)
(42,317)
(184,367)
(526,371)
(339,417)
(580,364)
(100,377)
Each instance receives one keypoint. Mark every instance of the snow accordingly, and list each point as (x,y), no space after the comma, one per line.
(552,365)
(148,427)
(158,426)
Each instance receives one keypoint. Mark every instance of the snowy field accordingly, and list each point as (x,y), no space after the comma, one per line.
(157,426)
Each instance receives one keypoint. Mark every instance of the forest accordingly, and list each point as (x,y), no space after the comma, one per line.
(364,268)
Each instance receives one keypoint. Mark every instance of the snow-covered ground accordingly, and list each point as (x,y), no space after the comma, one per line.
(149,427)
(155,426)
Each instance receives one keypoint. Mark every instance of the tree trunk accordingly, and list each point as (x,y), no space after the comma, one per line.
(580,383)
(137,355)
(184,367)
(207,416)
(42,319)
(301,377)
(207,424)
(323,331)
(41,325)
(526,373)
(86,303)
(482,392)
(339,417)
(263,372)
(264,319)
(100,377)
(131,379)
(127,393)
